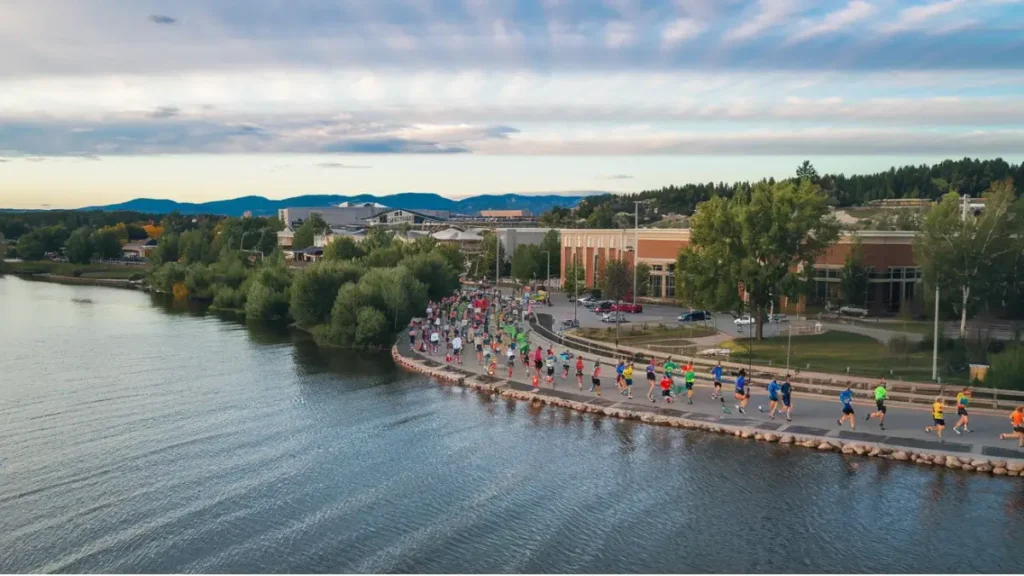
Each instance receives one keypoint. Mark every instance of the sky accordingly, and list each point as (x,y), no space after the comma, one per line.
(106,100)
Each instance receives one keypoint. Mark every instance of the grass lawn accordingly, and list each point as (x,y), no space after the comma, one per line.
(834,351)
(667,339)
(112,271)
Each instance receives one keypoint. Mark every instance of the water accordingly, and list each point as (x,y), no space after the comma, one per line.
(137,438)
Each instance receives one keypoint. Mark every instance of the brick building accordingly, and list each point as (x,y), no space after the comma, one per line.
(889,255)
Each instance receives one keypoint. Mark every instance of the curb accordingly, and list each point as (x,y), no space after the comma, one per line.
(926,458)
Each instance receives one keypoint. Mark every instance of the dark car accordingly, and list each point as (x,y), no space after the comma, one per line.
(604,307)
(695,316)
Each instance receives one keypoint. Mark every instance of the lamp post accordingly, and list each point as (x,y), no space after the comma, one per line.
(548,281)
(636,240)
(576,290)
(935,337)
(789,346)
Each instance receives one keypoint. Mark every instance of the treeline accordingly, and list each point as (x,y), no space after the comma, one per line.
(358,295)
(966,176)
(13,225)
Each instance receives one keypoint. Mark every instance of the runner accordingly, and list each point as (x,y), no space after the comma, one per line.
(579,372)
(880,395)
(435,341)
(550,363)
(690,376)
(487,360)
(651,377)
(536,383)
(538,360)
(526,359)
(666,388)
(511,358)
(493,366)
(938,421)
(716,373)
(787,401)
(773,398)
(741,391)
(619,369)
(627,377)
(412,337)
(595,379)
(478,341)
(670,367)
(457,347)
(961,410)
(1017,421)
(846,397)
(565,364)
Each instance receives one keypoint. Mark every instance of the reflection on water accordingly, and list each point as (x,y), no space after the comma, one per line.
(141,436)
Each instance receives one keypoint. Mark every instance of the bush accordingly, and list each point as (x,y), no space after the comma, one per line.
(372,328)
(227,298)
(315,289)
(1005,369)
(76,273)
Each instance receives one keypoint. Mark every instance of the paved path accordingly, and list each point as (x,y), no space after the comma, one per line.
(812,415)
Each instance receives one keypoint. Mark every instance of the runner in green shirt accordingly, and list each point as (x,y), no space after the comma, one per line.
(690,377)
(671,367)
(880,395)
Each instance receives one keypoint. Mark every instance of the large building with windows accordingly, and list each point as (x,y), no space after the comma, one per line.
(888,254)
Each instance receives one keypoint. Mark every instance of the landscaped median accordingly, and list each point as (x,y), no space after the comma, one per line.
(678,419)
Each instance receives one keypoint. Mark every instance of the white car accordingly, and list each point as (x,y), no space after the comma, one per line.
(745,320)
(778,318)
(853,311)
(614,317)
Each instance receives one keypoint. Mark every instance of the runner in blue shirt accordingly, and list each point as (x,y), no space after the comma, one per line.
(846,397)
(773,398)
(651,377)
(742,394)
(716,373)
(619,380)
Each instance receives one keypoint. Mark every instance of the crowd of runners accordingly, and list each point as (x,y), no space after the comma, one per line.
(496,327)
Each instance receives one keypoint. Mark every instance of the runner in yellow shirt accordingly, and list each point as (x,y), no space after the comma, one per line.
(939,421)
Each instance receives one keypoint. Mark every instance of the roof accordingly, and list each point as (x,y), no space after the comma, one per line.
(335,216)
(503,213)
(431,214)
(456,235)
(310,250)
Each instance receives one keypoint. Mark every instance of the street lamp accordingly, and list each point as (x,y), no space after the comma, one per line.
(548,282)
(636,240)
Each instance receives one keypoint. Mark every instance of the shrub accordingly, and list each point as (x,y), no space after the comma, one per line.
(372,328)
(1005,369)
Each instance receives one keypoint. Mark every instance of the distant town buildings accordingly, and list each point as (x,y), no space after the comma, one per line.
(505,214)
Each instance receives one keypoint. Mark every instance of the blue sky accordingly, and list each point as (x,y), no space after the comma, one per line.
(105,100)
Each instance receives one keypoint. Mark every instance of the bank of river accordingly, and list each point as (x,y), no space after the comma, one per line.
(135,438)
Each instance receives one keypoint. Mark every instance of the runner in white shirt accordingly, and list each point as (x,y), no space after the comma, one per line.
(457,347)
(435,338)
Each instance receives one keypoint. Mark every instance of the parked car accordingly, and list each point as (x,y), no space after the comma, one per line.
(614,317)
(853,311)
(745,320)
(628,307)
(586,301)
(603,306)
(778,318)
(694,316)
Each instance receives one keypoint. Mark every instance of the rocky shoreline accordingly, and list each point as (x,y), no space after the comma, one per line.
(967,463)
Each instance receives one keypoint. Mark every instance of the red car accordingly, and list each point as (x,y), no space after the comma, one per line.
(627,307)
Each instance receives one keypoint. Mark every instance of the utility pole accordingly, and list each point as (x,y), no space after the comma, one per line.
(548,282)
(789,347)
(576,290)
(935,336)
(636,243)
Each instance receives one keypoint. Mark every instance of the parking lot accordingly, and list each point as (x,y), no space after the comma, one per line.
(562,309)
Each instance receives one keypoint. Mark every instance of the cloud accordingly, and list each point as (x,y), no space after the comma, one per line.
(391,146)
(920,15)
(339,165)
(855,11)
(680,30)
(164,112)
(771,13)
(619,177)
(161,19)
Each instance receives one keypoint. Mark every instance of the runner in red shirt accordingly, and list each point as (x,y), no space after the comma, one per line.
(579,371)
(666,388)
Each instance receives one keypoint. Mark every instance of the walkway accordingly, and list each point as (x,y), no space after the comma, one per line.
(812,415)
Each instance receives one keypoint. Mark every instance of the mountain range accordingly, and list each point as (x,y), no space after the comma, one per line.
(260,206)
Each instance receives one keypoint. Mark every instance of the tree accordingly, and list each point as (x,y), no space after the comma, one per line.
(313,226)
(79,248)
(341,249)
(806,171)
(617,280)
(31,247)
(107,244)
(643,279)
(166,250)
(371,328)
(763,240)
(524,263)
(575,278)
(453,255)
(434,272)
(315,289)
(963,254)
(853,280)
(551,243)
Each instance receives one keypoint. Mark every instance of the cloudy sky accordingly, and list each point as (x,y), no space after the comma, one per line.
(106,100)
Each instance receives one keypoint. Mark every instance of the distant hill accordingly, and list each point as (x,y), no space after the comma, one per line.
(261,206)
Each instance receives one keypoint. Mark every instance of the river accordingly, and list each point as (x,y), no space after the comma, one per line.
(136,437)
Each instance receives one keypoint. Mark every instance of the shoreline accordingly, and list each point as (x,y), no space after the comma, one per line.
(604,407)
(119,283)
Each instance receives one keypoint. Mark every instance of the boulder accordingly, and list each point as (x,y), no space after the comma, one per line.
(900,455)
(825,446)
(737,433)
(923,462)
(1000,471)
(771,437)
(787,439)
(939,459)
(952,463)
(860,450)
(967,468)
(758,436)
(983,468)
(1012,473)
(998,463)
(746,434)
(875,451)
(1015,466)
(965,459)
(848,449)
(977,463)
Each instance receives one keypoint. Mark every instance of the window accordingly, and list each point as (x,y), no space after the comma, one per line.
(600,242)
(657,268)
(670,286)
(655,286)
